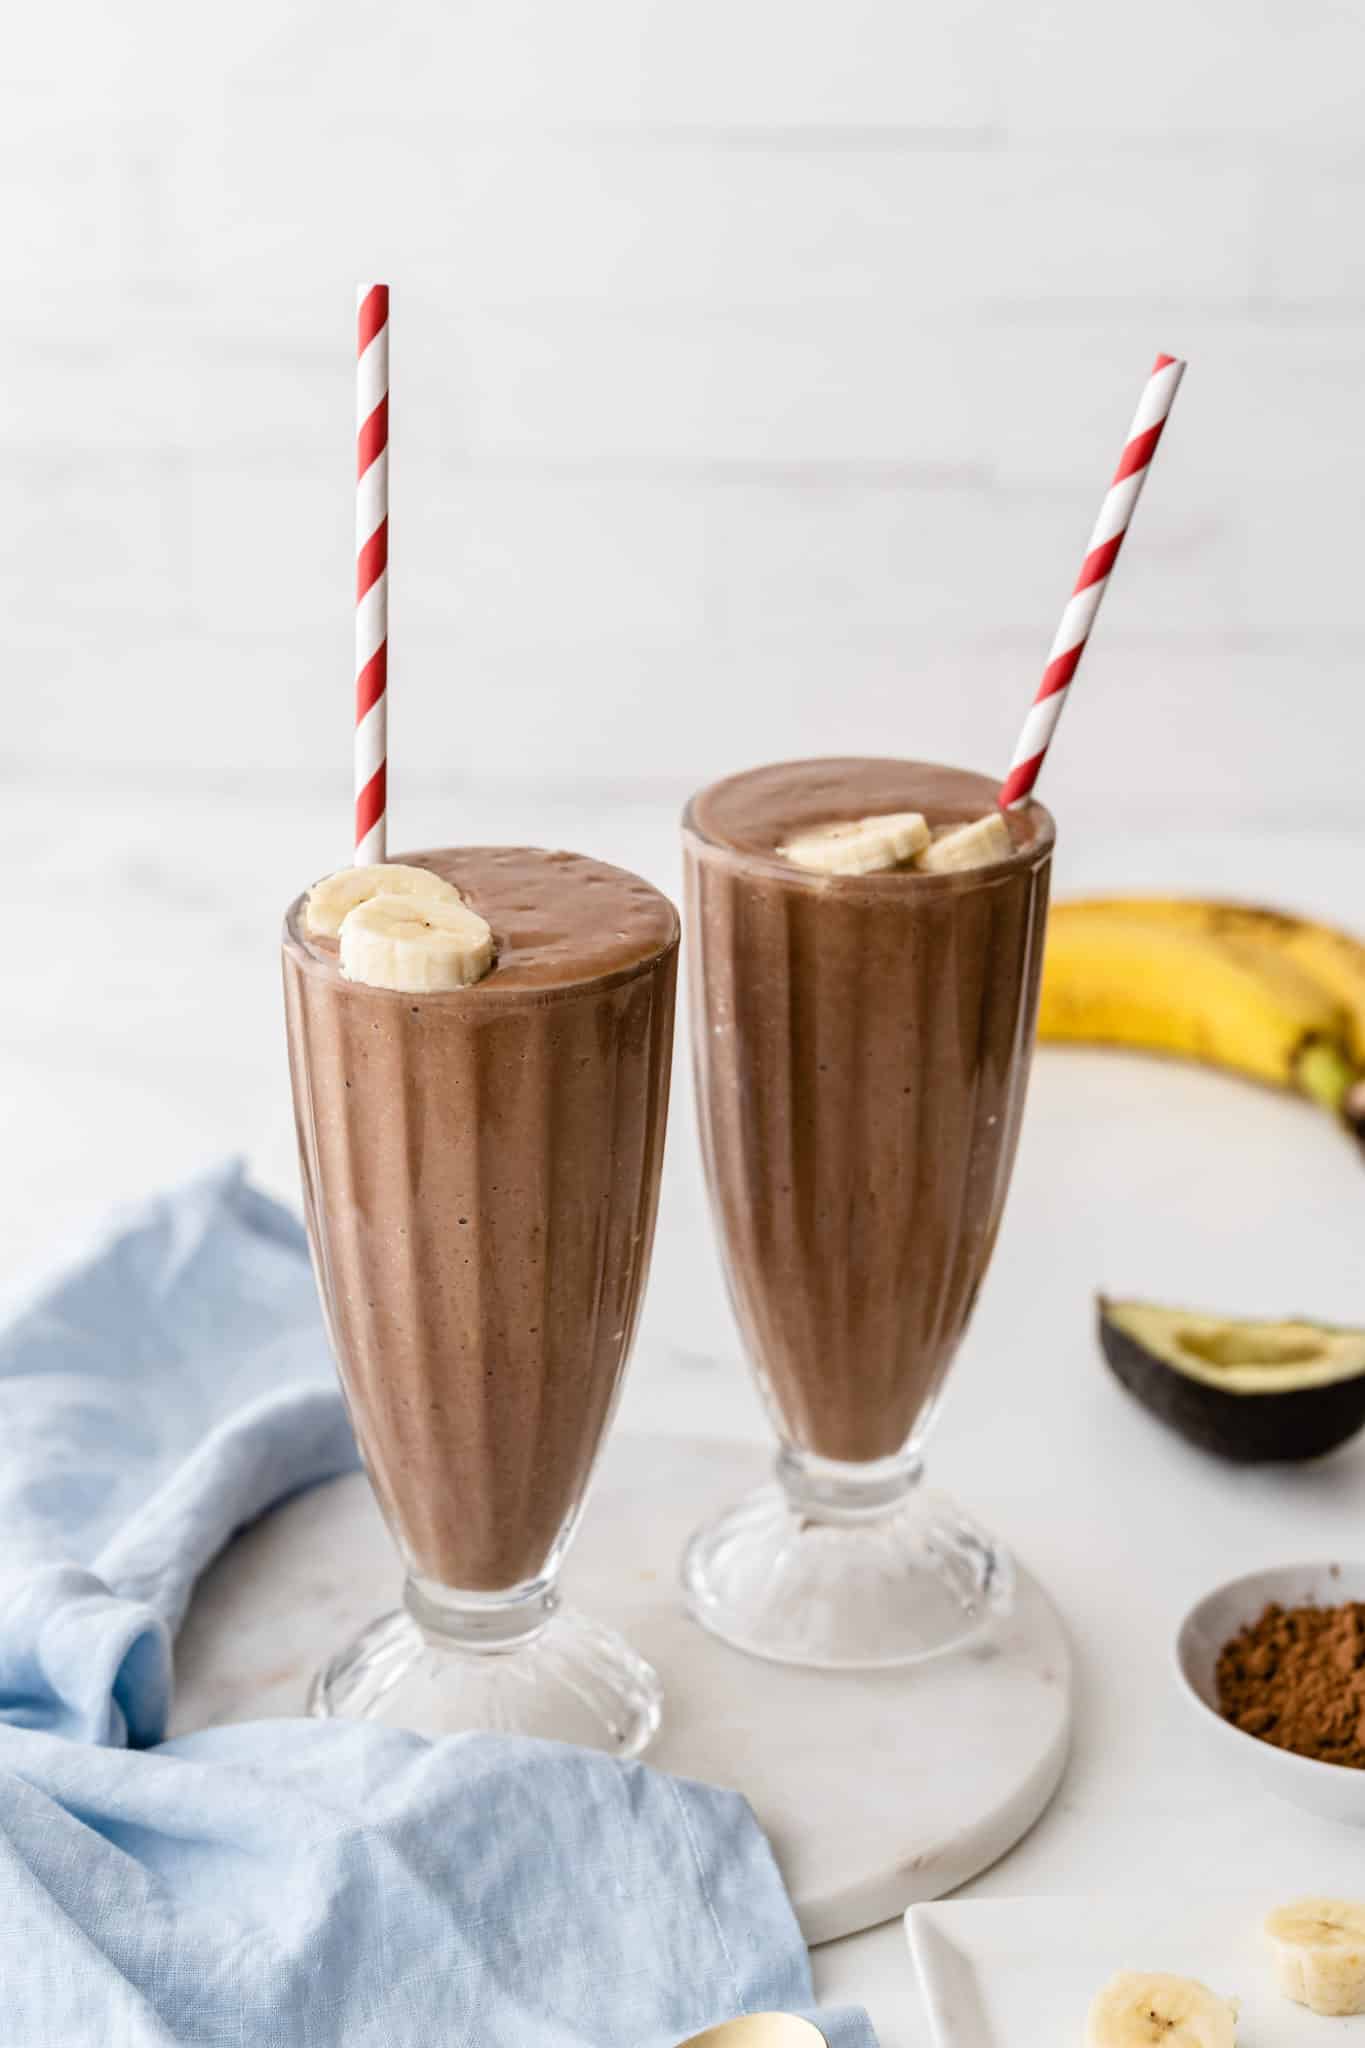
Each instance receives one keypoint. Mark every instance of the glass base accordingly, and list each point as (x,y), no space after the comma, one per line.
(846,1567)
(448,1664)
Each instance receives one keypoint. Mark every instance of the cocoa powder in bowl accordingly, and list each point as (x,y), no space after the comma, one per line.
(1296,1678)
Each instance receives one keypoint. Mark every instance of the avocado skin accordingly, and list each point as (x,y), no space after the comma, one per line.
(1248,1429)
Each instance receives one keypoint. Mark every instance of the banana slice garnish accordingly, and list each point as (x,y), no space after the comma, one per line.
(423,945)
(332,899)
(1319,1950)
(1146,2009)
(860,846)
(967,846)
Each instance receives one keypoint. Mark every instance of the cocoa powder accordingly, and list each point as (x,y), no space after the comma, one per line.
(1296,1678)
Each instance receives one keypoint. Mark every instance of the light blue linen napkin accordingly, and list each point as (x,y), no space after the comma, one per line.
(295,1884)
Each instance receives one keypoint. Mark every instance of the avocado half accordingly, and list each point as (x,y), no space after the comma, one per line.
(1250,1391)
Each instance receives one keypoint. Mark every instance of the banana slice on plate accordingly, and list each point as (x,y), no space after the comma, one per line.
(422,945)
(860,846)
(1319,1950)
(968,846)
(332,899)
(1141,2008)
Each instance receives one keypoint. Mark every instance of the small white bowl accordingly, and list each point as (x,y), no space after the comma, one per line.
(1333,1790)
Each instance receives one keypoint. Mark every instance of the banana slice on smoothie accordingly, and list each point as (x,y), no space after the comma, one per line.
(332,899)
(860,846)
(1319,1950)
(967,846)
(420,944)
(1148,2009)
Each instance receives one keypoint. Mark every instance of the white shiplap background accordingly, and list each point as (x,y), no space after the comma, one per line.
(757,368)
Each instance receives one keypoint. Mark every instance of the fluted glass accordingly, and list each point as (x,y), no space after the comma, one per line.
(861,1048)
(480,1173)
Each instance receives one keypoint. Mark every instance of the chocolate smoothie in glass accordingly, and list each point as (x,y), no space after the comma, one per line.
(481,1172)
(862,1044)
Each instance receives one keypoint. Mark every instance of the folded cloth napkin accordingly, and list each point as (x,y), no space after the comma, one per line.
(296,1884)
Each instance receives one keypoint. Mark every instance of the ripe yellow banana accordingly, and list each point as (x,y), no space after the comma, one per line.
(1334,958)
(1114,974)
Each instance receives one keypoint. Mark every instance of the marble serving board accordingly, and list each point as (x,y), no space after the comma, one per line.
(876,1788)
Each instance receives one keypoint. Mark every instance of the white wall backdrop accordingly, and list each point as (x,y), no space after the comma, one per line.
(757,365)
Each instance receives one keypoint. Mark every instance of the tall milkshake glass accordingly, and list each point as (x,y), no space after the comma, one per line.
(481,1174)
(862,1043)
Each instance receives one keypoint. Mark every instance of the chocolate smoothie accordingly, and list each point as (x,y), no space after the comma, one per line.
(481,1172)
(862,1044)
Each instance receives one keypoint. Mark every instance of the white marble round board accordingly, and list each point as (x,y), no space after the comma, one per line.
(877,1789)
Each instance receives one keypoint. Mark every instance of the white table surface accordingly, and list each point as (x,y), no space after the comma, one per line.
(151,1043)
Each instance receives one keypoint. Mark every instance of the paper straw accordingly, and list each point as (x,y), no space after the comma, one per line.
(1079,616)
(371,572)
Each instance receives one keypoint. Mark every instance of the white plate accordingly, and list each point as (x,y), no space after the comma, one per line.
(1020,1973)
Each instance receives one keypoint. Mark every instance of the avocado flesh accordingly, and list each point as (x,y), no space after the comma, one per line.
(1251,1391)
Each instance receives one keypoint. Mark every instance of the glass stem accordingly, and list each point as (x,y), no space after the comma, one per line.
(481,1624)
(828,1490)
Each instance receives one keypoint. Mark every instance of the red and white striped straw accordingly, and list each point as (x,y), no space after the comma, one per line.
(1093,581)
(371,572)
